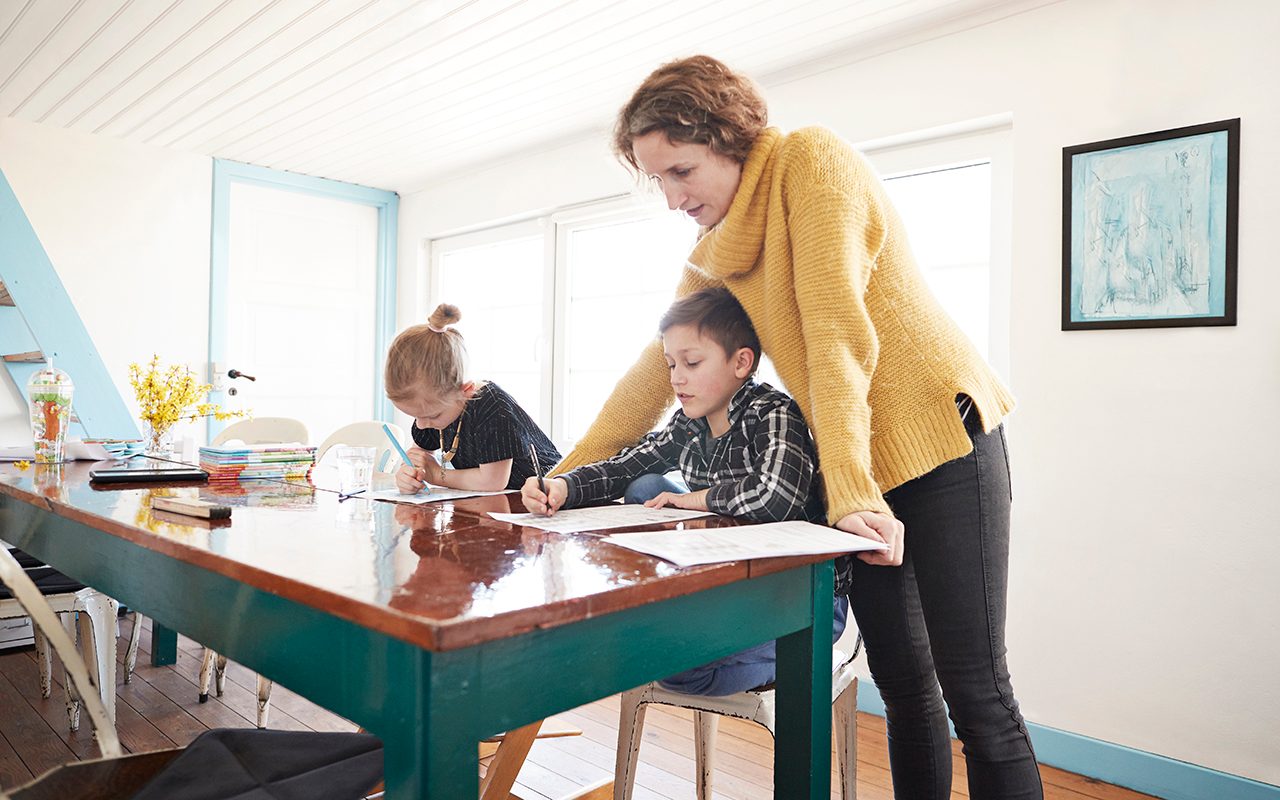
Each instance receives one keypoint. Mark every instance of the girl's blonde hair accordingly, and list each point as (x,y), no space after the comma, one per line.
(431,357)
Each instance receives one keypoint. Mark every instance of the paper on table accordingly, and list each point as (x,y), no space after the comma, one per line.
(72,450)
(438,494)
(767,540)
(600,518)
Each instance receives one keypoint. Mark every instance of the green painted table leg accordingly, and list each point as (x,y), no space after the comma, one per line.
(164,645)
(802,748)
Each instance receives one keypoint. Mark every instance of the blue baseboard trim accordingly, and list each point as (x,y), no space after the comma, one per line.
(1123,766)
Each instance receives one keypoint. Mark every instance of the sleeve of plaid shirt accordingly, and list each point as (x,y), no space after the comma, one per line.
(778,488)
(592,484)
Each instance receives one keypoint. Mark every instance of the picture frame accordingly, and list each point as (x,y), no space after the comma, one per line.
(1149,229)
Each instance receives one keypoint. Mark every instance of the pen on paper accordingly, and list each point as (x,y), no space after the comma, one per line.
(537,468)
(343,497)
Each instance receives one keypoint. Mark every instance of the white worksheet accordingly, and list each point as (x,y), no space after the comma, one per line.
(600,518)
(437,494)
(767,540)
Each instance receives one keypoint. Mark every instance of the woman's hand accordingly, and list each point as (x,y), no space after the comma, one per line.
(879,528)
(546,504)
(694,501)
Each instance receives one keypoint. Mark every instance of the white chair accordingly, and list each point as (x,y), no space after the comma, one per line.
(756,706)
(263,430)
(259,430)
(366,434)
(81,609)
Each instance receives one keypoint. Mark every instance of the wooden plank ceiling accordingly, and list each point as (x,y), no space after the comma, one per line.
(392,93)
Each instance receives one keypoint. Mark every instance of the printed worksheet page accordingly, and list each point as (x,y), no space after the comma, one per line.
(601,518)
(766,540)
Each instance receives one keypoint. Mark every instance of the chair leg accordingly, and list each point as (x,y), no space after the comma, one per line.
(68,620)
(44,662)
(220,673)
(131,654)
(206,673)
(845,710)
(630,734)
(98,643)
(704,749)
(264,700)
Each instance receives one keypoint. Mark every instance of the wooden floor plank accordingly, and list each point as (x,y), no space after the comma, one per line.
(38,746)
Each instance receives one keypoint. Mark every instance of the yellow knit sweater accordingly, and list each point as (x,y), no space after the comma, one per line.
(819,259)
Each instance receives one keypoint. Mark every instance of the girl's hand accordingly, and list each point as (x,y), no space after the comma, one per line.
(879,528)
(546,504)
(409,480)
(693,501)
(428,469)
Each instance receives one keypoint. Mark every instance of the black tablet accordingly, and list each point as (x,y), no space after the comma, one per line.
(144,470)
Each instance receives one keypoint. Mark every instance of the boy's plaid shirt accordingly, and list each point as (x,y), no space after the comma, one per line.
(764,468)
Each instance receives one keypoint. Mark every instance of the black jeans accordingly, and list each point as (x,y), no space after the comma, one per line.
(939,619)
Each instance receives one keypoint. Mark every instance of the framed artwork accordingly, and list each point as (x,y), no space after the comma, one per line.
(1149,229)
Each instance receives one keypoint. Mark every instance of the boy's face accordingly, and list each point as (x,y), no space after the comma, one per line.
(703,375)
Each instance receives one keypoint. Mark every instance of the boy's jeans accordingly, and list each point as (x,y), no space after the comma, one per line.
(748,669)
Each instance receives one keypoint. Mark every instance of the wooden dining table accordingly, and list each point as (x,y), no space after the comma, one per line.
(433,626)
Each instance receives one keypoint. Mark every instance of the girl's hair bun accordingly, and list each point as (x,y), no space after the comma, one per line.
(444,315)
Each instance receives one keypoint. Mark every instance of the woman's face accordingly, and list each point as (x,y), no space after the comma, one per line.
(694,178)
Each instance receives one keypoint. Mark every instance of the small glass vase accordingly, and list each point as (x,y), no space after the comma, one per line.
(159,441)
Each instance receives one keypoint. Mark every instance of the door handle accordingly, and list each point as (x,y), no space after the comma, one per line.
(235,373)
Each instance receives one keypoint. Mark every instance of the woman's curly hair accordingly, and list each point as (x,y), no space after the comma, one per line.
(695,100)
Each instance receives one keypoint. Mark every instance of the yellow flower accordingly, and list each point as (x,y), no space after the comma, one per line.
(23,465)
(168,394)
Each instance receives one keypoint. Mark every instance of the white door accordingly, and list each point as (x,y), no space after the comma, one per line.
(301,307)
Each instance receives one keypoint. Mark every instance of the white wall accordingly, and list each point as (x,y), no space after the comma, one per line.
(1143,591)
(127,229)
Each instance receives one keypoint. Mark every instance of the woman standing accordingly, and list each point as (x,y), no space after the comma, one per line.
(906,414)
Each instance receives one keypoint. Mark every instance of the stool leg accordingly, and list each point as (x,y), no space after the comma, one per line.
(131,654)
(68,620)
(264,701)
(630,733)
(44,662)
(845,722)
(206,673)
(220,673)
(98,643)
(704,750)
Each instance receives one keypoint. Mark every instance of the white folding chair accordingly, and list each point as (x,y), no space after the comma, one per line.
(81,610)
(755,706)
(365,434)
(263,430)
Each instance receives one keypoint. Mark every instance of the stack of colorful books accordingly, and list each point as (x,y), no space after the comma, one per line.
(251,462)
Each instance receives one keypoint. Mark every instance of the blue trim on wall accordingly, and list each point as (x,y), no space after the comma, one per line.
(1124,766)
(388,206)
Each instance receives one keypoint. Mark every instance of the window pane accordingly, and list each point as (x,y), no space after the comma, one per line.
(622,277)
(498,289)
(947,213)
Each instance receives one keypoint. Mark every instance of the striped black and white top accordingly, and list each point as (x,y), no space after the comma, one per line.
(494,428)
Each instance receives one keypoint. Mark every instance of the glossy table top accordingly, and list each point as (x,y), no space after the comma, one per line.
(441,575)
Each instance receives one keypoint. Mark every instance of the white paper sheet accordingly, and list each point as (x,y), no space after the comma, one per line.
(600,518)
(438,494)
(766,540)
(72,450)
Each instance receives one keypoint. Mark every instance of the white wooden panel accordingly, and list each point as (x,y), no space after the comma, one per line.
(53,53)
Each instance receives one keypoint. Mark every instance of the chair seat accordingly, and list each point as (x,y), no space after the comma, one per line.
(225,764)
(47,579)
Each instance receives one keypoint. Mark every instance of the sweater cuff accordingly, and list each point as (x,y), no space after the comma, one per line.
(719,497)
(849,489)
(573,497)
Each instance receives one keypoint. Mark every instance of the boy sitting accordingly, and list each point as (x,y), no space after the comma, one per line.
(742,447)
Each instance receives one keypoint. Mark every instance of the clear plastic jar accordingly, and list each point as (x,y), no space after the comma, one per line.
(50,392)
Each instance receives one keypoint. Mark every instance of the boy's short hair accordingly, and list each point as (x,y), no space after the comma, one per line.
(718,315)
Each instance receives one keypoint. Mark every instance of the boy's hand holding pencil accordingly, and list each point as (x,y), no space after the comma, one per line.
(540,501)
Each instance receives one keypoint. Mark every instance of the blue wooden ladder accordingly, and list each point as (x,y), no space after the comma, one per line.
(38,321)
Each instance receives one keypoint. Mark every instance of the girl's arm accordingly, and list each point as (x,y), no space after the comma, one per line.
(491,477)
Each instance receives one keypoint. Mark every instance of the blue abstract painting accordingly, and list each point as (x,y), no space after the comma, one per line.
(1149,230)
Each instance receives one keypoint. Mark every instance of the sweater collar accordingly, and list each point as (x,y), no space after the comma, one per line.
(732,247)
